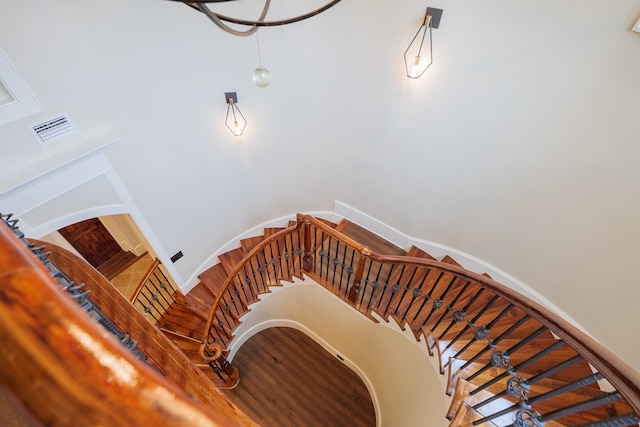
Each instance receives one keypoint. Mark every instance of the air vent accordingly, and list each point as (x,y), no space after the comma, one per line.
(53,129)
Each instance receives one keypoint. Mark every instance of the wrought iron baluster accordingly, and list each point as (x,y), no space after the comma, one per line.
(510,351)
(611,397)
(482,332)
(343,264)
(365,278)
(335,261)
(464,310)
(437,303)
(385,285)
(553,347)
(458,316)
(159,292)
(375,284)
(328,256)
(247,278)
(499,358)
(394,289)
(405,289)
(472,323)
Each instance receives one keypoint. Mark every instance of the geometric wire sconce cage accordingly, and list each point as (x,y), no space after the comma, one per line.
(234,119)
(418,56)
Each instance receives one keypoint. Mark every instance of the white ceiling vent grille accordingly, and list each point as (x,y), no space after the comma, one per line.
(53,129)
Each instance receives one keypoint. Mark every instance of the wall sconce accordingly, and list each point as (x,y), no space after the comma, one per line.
(234,120)
(417,58)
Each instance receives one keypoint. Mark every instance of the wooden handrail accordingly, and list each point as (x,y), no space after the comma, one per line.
(247,258)
(85,377)
(146,276)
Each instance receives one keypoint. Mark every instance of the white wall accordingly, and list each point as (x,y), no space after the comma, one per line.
(404,385)
(518,146)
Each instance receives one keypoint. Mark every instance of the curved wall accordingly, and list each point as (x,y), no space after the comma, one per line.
(404,386)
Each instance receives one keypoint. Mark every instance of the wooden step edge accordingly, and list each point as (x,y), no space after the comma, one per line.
(178,335)
(462,395)
(465,416)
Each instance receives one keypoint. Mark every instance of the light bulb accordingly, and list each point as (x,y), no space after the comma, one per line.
(261,77)
(415,70)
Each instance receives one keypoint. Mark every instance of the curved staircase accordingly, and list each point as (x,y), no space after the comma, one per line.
(508,361)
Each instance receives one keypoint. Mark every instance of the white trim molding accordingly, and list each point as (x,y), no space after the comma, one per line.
(19,101)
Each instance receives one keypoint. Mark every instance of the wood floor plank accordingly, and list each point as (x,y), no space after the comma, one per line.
(287,379)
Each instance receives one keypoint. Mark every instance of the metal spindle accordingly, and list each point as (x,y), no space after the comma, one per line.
(471,323)
(458,316)
(553,347)
(464,309)
(482,332)
(405,289)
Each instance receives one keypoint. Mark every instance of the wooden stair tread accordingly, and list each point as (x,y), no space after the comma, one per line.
(231,258)
(368,238)
(200,298)
(117,264)
(183,319)
(250,243)
(213,278)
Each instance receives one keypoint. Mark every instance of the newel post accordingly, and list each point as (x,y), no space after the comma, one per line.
(307,259)
(355,289)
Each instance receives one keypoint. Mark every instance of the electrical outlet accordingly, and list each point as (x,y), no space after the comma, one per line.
(176,257)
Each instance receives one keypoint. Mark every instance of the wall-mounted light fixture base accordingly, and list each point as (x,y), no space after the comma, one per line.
(419,55)
(231,95)
(435,15)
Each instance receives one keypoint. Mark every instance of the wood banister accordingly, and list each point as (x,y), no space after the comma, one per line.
(153,266)
(66,369)
(231,277)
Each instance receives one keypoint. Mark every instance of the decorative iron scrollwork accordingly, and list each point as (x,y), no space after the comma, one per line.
(481,333)
(437,303)
(518,387)
(459,316)
(417,292)
(527,418)
(500,359)
(395,288)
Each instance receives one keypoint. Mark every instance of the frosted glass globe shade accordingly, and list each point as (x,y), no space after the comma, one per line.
(261,77)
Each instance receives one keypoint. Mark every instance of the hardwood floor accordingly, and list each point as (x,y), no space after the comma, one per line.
(287,379)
